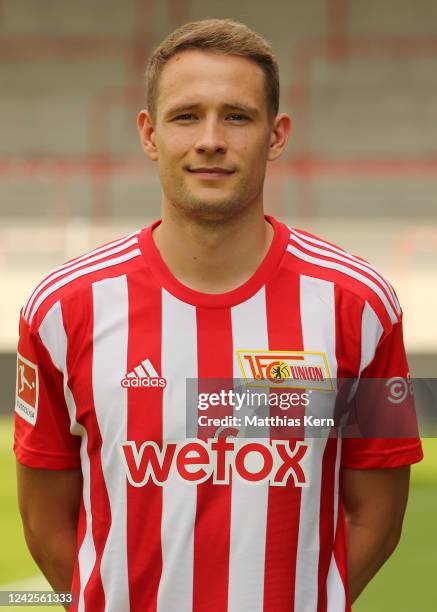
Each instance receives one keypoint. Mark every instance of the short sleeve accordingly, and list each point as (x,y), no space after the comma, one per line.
(42,437)
(388,371)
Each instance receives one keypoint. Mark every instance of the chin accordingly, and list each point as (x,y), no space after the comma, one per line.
(211,211)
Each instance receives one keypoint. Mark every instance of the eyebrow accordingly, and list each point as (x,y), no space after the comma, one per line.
(250,110)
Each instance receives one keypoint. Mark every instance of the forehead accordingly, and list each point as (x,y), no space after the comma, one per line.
(201,77)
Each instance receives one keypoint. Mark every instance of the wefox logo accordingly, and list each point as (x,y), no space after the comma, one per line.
(195,461)
(143,376)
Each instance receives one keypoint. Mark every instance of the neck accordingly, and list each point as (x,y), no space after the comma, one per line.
(213,258)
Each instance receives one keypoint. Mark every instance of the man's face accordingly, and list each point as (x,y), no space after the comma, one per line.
(212,133)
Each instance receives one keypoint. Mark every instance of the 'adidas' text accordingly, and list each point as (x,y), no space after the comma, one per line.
(143,382)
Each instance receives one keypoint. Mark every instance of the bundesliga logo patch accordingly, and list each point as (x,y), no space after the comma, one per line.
(285,369)
(26,397)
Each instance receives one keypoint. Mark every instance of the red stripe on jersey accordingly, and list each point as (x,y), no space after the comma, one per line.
(144,422)
(78,328)
(326,525)
(347,345)
(348,356)
(213,513)
(283,513)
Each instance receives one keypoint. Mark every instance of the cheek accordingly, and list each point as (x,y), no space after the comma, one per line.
(172,147)
(252,146)
(255,154)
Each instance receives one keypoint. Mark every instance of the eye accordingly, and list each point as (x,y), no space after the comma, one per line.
(184,117)
(238,117)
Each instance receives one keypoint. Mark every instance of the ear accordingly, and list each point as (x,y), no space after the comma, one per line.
(147,134)
(280,133)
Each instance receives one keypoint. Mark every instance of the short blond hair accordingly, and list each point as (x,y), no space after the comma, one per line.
(222,36)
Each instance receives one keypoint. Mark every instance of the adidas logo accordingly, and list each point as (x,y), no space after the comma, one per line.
(143,376)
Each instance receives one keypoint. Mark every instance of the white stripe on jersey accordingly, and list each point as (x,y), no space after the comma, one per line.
(349,272)
(54,338)
(246,552)
(74,265)
(350,259)
(179,499)
(331,247)
(335,589)
(111,311)
(336,596)
(336,482)
(317,311)
(100,249)
(82,272)
(371,332)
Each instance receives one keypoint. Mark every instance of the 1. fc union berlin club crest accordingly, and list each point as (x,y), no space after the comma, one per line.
(285,369)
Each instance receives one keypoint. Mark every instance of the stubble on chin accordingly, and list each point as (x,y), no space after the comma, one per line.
(213,211)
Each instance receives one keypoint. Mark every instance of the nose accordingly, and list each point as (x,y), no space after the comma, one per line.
(211,137)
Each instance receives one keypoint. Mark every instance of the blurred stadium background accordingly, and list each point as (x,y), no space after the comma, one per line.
(360,81)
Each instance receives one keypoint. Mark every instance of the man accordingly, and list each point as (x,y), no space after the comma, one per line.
(117,503)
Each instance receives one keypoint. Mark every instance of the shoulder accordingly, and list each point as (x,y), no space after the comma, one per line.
(72,278)
(354,278)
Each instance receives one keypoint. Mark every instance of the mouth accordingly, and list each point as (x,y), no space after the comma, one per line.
(214,172)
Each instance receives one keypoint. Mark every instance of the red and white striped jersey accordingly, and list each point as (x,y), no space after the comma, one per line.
(107,342)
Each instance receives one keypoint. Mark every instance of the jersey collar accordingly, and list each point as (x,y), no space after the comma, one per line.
(240,294)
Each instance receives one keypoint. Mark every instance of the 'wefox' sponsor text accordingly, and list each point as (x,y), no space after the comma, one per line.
(194,461)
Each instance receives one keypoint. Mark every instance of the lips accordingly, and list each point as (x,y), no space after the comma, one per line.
(210,171)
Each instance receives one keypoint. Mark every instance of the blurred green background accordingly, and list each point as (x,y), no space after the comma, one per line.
(407,582)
